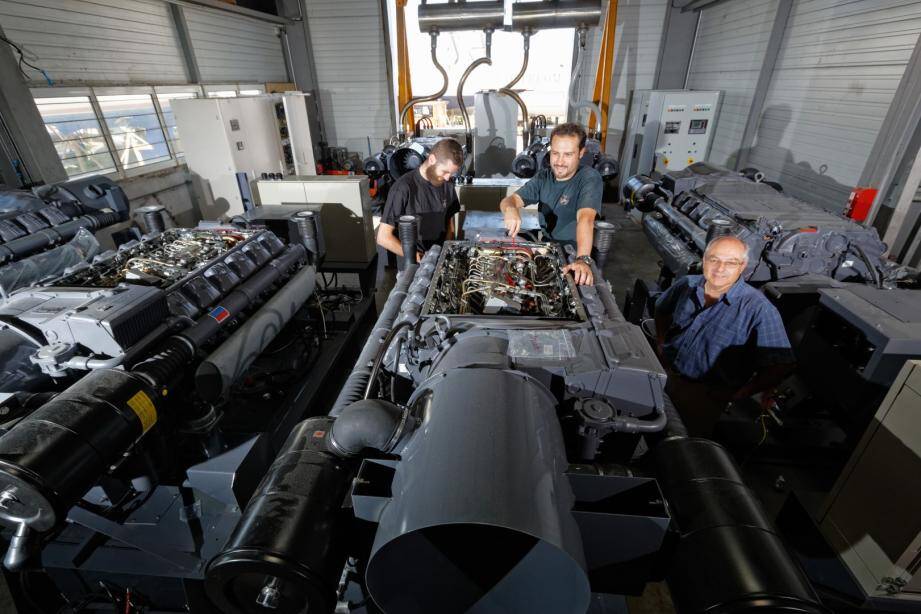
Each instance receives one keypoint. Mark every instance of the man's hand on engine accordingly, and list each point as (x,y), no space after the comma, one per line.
(581,272)
(512,222)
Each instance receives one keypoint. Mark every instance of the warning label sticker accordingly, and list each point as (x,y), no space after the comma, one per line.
(141,405)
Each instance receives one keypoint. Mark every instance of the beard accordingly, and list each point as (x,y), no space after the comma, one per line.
(432,177)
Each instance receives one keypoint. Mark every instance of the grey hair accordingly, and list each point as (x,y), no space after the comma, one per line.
(732,238)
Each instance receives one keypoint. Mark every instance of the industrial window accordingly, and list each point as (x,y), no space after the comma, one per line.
(112,130)
(169,119)
(135,128)
(77,135)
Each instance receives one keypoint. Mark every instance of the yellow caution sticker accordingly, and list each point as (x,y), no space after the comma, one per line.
(141,405)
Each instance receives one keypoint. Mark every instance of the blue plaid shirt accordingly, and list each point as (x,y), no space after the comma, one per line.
(727,341)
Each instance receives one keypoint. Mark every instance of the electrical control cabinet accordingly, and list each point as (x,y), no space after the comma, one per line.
(230,142)
(668,130)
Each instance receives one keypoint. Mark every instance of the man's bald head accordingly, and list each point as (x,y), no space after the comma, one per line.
(729,241)
(724,260)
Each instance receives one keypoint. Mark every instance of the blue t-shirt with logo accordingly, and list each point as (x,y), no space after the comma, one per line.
(559,201)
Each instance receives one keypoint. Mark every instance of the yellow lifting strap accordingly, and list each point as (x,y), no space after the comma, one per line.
(404,83)
(602,94)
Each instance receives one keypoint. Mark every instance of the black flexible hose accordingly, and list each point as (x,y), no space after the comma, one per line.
(871,268)
(379,357)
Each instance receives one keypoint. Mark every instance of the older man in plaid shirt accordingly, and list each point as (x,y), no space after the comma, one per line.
(719,338)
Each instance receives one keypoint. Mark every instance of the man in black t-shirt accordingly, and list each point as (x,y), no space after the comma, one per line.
(428,194)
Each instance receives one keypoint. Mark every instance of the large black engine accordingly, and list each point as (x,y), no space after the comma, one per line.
(786,237)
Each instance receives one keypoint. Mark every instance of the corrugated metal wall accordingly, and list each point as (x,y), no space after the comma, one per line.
(124,42)
(232,47)
(636,51)
(839,65)
(99,41)
(728,54)
(349,53)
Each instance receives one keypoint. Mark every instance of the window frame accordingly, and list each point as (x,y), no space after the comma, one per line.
(154,92)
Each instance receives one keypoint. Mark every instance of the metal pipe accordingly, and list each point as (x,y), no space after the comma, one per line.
(455,16)
(557,14)
(444,88)
(687,226)
(463,80)
(525,132)
(526,35)
(232,358)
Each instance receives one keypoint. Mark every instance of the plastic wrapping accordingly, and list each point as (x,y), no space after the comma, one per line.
(82,248)
(19,201)
(545,344)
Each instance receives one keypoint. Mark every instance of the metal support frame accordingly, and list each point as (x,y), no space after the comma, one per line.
(679,35)
(893,155)
(299,51)
(185,43)
(106,133)
(784,7)
(604,74)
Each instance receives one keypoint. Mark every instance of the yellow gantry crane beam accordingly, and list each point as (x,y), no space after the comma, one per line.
(602,94)
(404,84)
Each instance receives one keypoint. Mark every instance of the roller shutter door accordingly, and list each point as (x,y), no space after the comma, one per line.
(235,48)
(98,41)
(728,53)
(838,68)
(349,53)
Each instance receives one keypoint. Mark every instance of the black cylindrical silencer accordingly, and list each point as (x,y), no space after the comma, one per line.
(729,558)
(409,235)
(288,548)
(53,456)
(602,241)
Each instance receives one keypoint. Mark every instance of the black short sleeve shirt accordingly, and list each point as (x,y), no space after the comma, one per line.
(412,194)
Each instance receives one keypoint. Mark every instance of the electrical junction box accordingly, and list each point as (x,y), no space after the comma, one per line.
(668,130)
(230,142)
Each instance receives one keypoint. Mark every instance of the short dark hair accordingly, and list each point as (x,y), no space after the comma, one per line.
(448,150)
(570,129)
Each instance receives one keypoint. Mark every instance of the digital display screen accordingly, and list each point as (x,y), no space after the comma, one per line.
(672,127)
(698,126)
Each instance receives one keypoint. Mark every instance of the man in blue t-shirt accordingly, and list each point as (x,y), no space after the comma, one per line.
(568,197)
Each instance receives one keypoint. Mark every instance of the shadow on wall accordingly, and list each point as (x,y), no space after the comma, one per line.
(798,178)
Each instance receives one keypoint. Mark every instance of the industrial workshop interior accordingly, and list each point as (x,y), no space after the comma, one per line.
(447,306)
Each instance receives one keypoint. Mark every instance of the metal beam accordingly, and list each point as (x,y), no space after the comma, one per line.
(895,149)
(185,43)
(784,7)
(231,8)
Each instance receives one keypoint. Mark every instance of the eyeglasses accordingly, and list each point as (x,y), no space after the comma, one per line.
(716,262)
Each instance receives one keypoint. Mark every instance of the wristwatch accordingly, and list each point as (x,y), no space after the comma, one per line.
(586,259)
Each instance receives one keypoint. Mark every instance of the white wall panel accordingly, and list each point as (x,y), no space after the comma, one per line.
(839,65)
(728,54)
(235,48)
(349,53)
(95,41)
